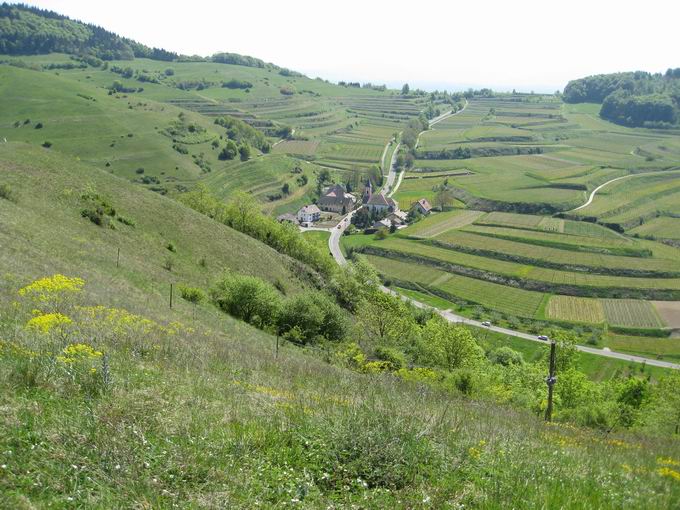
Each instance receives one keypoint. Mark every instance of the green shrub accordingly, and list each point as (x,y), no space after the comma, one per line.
(47,144)
(505,356)
(171,247)
(7,193)
(314,317)
(126,221)
(192,294)
(367,446)
(39,125)
(395,358)
(248,298)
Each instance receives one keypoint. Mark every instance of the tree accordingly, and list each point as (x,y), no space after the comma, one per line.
(443,198)
(448,346)
(385,319)
(662,414)
(322,178)
(244,151)
(285,189)
(405,89)
(229,151)
(244,210)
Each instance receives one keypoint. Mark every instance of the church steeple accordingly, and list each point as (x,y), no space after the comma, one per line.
(368,192)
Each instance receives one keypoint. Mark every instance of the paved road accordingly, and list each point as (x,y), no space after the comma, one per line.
(392,175)
(594,192)
(334,246)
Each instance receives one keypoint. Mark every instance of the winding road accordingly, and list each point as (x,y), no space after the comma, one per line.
(594,192)
(336,252)
(334,245)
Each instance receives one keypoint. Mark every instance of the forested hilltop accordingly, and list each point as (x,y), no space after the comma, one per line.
(632,98)
(26,30)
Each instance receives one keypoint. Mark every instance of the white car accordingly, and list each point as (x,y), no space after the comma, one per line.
(543,337)
(486,323)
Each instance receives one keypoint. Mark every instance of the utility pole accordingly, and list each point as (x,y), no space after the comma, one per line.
(550,381)
(118,258)
(277,346)
(171,295)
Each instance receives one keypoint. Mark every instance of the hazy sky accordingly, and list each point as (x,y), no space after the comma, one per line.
(503,44)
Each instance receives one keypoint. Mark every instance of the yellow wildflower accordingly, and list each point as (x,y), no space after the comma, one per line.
(44,288)
(671,473)
(78,352)
(668,461)
(47,322)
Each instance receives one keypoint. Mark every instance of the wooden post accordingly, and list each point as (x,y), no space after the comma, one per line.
(118,258)
(171,295)
(277,346)
(550,381)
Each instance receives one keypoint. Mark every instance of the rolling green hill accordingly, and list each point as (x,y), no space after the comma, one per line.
(44,228)
(153,355)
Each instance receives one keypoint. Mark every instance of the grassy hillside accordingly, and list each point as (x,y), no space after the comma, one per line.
(44,229)
(138,133)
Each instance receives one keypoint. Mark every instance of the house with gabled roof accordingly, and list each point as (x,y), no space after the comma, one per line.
(423,207)
(336,199)
(309,214)
(381,204)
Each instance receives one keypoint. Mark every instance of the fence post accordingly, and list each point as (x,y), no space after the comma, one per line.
(550,381)
(118,258)
(171,295)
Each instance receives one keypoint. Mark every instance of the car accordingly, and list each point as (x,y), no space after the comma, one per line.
(486,323)
(543,337)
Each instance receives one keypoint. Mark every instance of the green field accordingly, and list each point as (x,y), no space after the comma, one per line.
(573,152)
(342,128)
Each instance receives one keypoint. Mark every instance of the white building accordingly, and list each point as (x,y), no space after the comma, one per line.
(309,214)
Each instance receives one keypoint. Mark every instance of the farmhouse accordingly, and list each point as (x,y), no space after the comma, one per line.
(397,217)
(423,207)
(309,214)
(381,204)
(336,199)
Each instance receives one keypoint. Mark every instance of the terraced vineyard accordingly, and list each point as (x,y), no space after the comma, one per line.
(575,271)
(535,150)
(341,128)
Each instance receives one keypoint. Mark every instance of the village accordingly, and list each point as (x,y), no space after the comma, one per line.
(371,213)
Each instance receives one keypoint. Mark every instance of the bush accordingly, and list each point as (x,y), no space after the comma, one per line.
(7,193)
(126,221)
(505,356)
(312,316)
(192,294)
(39,125)
(393,357)
(47,144)
(248,298)
(171,247)
(368,445)
(229,152)
(168,263)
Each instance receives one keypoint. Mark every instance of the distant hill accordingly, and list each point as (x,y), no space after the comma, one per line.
(632,98)
(26,30)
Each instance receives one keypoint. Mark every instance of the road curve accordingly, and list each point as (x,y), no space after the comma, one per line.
(594,192)
(334,246)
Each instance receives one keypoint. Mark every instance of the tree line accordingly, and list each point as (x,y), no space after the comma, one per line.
(632,98)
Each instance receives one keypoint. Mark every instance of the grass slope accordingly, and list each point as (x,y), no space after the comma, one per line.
(44,231)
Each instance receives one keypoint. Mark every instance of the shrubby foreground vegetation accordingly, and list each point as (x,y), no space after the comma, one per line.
(113,408)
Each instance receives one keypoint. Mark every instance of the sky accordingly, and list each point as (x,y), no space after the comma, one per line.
(446,45)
